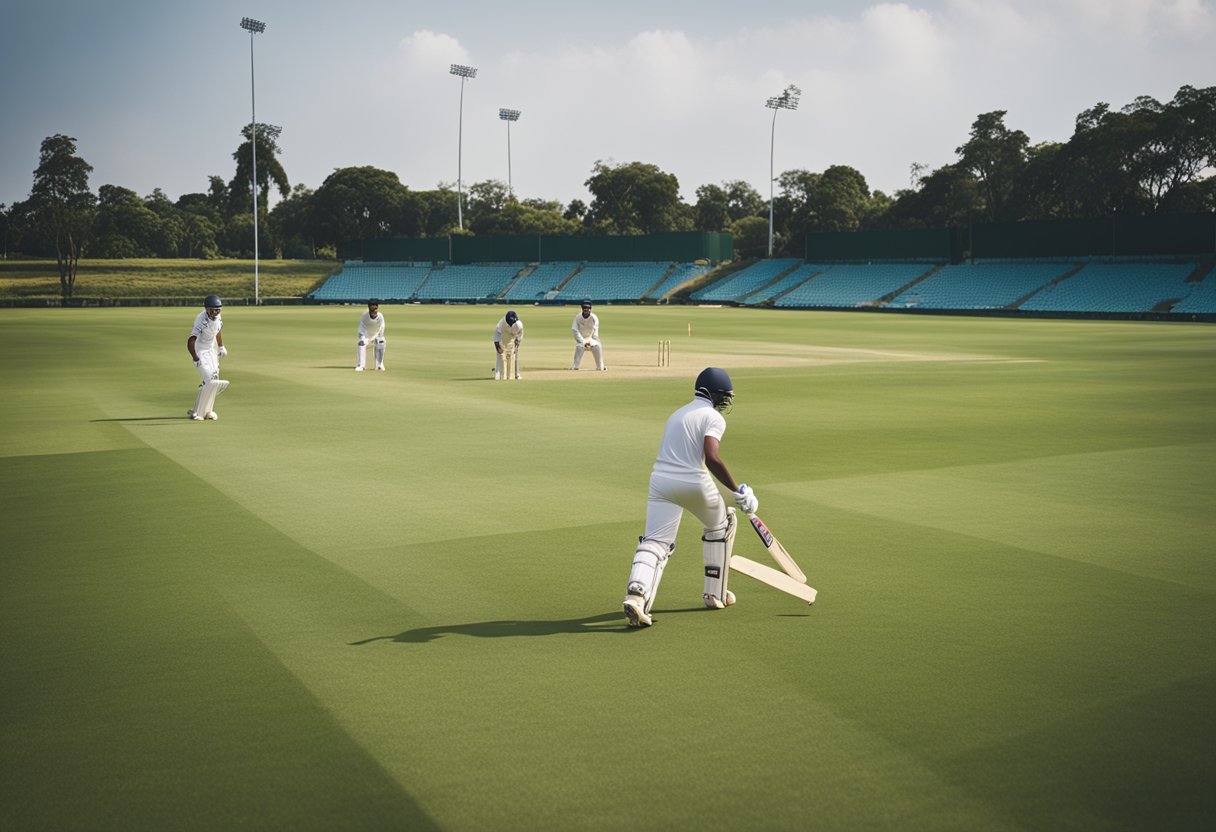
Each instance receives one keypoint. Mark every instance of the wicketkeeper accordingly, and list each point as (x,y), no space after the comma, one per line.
(206,347)
(586,329)
(371,331)
(680,480)
(508,335)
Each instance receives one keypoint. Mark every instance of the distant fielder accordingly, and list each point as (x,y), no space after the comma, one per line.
(206,346)
(508,335)
(680,480)
(371,331)
(586,329)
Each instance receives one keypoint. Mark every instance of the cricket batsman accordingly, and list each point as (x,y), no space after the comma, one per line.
(508,335)
(586,329)
(206,347)
(681,480)
(371,330)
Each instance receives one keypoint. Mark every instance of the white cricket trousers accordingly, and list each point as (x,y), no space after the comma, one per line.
(208,365)
(670,496)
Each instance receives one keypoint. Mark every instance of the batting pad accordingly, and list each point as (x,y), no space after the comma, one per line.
(206,396)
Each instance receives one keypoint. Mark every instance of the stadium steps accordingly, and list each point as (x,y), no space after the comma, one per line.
(890,296)
(671,268)
(524,272)
(743,298)
(559,287)
(1054,281)
(773,300)
(1201,270)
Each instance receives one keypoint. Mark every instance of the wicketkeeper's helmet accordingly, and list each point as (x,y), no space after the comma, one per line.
(213,302)
(586,303)
(511,317)
(714,384)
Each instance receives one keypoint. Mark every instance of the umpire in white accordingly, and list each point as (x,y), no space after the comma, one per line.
(680,480)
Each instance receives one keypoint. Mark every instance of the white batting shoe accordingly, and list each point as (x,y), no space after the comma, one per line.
(635,611)
(212,416)
(358,369)
(195,416)
(380,367)
(716,603)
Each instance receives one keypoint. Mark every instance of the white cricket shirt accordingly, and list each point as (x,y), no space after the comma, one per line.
(505,333)
(370,327)
(205,330)
(585,328)
(682,452)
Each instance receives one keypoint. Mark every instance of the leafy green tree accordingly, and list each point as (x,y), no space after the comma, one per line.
(712,209)
(291,224)
(199,239)
(635,198)
(751,237)
(123,226)
(995,155)
(947,197)
(360,203)
(270,171)
(62,206)
(576,210)
(742,200)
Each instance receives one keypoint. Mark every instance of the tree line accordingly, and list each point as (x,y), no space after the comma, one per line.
(1149,157)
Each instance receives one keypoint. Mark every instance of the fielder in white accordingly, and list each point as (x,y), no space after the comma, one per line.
(206,346)
(508,335)
(586,329)
(371,331)
(680,480)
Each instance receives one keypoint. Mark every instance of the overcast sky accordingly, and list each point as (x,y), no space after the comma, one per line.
(156,93)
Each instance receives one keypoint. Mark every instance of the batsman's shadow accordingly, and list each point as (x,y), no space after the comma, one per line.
(609,622)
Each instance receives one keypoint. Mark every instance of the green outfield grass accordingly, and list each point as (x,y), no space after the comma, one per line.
(152,278)
(392,600)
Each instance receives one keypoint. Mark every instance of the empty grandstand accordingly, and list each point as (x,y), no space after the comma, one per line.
(747,280)
(481,281)
(1114,287)
(1202,297)
(613,281)
(980,285)
(847,285)
(359,281)
(535,285)
(681,274)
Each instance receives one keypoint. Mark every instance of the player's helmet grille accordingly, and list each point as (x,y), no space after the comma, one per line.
(512,318)
(213,302)
(714,384)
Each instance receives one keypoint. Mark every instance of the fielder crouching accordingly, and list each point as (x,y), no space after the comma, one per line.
(680,480)
(371,331)
(206,347)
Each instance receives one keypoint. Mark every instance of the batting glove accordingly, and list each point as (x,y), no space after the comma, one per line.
(746,500)
(223,352)
(362,343)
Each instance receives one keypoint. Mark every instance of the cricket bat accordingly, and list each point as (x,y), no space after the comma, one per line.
(775,579)
(776,549)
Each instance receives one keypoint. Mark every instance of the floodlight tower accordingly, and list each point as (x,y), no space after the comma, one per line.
(254,27)
(509,116)
(788,100)
(465,72)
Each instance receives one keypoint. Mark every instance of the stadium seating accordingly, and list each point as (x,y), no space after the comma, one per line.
(848,285)
(1115,287)
(479,281)
(1202,298)
(979,285)
(681,274)
(613,281)
(744,281)
(543,279)
(359,281)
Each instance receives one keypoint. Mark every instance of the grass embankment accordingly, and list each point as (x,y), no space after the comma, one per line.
(152,278)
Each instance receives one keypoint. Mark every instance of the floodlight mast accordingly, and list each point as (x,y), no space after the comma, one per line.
(254,27)
(788,100)
(509,116)
(465,72)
